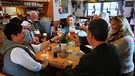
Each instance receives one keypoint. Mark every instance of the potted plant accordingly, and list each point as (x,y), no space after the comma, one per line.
(64,39)
(63,45)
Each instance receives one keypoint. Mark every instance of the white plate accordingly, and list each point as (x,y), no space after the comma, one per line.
(81,33)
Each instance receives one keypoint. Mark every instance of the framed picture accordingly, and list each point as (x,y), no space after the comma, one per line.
(64,6)
(129,3)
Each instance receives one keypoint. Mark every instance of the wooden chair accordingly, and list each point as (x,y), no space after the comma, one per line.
(46,27)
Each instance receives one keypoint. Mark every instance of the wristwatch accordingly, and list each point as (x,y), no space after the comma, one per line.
(50,40)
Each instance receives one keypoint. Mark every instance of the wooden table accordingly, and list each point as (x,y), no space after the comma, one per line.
(56,62)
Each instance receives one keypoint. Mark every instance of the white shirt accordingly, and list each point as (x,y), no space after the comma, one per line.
(26,23)
(21,57)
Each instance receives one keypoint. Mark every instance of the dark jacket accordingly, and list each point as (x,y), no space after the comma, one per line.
(101,61)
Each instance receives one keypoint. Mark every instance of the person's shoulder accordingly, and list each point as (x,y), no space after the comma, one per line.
(112,46)
(126,39)
(17,48)
(88,55)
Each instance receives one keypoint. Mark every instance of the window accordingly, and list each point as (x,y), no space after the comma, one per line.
(109,7)
(94,8)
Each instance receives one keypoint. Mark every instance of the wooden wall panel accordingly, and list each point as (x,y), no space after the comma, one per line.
(49,10)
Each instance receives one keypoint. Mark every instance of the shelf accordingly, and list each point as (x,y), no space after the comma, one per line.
(33,7)
(12,6)
(36,0)
(28,0)
(33,3)
(23,7)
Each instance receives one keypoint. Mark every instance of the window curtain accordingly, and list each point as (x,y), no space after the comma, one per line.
(120,5)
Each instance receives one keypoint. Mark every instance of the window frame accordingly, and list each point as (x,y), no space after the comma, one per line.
(102,8)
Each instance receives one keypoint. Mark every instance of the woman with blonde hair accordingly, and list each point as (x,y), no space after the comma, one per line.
(122,37)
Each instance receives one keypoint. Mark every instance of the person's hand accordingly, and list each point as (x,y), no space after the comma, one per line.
(30,28)
(56,38)
(35,39)
(45,63)
(83,28)
(66,63)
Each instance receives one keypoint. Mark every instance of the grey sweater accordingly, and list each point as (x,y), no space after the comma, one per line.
(125,48)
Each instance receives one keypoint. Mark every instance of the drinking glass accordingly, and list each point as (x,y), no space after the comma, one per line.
(72,32)
(44,54)
(44,36)
(36,32)
(59,31)
(72,46)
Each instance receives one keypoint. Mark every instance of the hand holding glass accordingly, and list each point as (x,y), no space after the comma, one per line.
(60,32)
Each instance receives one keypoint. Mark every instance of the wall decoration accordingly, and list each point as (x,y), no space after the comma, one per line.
(60,9)
(76,5)
(129,3)
(64,6)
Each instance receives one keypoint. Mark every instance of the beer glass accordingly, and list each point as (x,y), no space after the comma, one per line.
(36,32)
(44,36)
(72,32)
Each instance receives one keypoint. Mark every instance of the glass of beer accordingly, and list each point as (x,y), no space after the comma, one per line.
(44,36)
(36,32)
(72,32)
